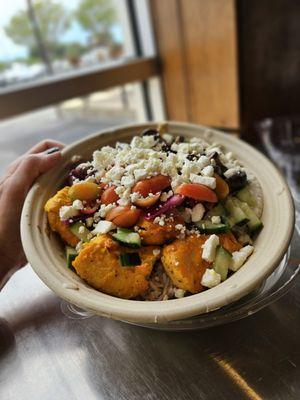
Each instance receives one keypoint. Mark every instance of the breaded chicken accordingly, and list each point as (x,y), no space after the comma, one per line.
(155,234)
(183,262)
(98,263)
(52,208)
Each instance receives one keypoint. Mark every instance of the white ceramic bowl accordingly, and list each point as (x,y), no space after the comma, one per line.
(46,256)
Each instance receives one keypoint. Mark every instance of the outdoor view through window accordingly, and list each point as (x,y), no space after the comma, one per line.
(55,38)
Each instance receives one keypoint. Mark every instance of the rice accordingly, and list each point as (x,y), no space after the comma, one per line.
(161,287)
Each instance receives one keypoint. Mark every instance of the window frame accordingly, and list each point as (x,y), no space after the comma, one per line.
(142,67)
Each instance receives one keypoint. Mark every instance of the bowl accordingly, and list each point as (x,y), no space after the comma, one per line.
(46,256)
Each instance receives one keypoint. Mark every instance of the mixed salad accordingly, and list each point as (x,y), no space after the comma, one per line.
(158,218)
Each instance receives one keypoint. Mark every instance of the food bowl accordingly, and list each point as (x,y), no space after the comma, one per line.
(45,252)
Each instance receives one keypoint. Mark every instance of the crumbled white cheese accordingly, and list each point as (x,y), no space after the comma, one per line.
(208,171)
(67,212)
(156,252)
(231,172)
(210,278)
(103,227)
(209,248)
(81,229)
(140,174)
(134,197)
(77,204)
(197,212)
(203,180)
(186,215)
(128,181)
(168,138)
(89,222)
(216,219)
(179,227)
(203,162)
(179,293)
(239,257)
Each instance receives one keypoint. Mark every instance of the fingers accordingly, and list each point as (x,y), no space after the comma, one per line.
(45,145)
(28,170)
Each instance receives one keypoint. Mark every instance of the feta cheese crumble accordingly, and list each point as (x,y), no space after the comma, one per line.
(239,257)
(209,248)
(216,219)
(210,278)
(103,227)
(197,212)
(67,212)
(203,180)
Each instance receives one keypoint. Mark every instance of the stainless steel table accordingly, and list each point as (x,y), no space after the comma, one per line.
(46,355)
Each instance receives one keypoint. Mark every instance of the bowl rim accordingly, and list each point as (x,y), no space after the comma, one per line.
(153,312)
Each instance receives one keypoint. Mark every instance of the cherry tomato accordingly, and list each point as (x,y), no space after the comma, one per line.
(197,192)
(84,191)
(109,196)
(123,216)
(148,202)
(152,185)
(222,188)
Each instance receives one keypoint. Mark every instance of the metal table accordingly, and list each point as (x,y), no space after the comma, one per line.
(48,355)
(45,354)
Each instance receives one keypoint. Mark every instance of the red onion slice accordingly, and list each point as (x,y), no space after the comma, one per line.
(162,208)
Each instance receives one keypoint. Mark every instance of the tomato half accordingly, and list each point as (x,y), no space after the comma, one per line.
(197,191)
(222,188)
(109,196)
(123,216)
(152,185)
(147,202)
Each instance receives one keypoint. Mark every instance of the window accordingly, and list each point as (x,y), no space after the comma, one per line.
(69,68)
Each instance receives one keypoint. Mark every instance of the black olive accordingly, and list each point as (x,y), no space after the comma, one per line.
(219,167)
(150,132)
(237,181)
(192,157)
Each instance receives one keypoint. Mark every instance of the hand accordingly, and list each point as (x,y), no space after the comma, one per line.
(14,187)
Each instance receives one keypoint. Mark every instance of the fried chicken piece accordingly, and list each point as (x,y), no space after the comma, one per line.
(61,198)
(183,262)
(98,263)
(154,234)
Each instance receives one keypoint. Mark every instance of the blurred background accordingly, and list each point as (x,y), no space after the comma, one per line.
(71,67)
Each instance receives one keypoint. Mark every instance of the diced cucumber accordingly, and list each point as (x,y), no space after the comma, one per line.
(218,211)
(222,262)
(127,237)
(130,259)
(246,196)
(236,214)
(254,224)
(71,254)
(208,227)
(81,231)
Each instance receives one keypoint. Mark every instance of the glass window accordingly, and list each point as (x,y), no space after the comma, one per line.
(42,38)
(70,120)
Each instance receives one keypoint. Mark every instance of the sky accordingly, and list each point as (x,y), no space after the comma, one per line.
(9,50)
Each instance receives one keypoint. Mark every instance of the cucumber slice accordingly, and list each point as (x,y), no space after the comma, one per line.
(81,231)
(71,254)
(254,224)
(127,237)
(218,211)
(130,259)
(236,214)
(246,196)
(208,227)
(222,262)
